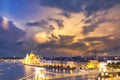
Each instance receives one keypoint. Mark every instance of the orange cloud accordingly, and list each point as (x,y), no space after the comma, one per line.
(41,37)
(72,27)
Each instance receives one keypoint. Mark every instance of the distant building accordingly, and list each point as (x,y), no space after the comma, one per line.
(71,64)
(113,61)
(93,64)
(31,59)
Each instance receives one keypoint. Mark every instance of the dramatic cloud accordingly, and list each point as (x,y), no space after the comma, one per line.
(71,27)
(99,27)
(9,37)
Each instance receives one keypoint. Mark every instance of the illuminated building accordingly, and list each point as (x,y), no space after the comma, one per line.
(93,64)
(113,61)
(71,64)
(31,59)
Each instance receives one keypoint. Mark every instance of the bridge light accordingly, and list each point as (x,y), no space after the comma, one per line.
(106,73)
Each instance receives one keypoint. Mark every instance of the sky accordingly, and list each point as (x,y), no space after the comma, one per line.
(60,27)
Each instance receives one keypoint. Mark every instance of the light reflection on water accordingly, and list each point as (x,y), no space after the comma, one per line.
(91,76)
(28,70)
(14,71)
(69,72)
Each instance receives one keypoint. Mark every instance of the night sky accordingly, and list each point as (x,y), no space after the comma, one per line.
(60,27)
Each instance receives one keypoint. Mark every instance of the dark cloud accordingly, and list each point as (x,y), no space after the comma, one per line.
(93,24)
(54,38)
(65,14)
(90,28)
(8,39)
(102,45)
(65,40)
(94,6)
(59,22)
(64,43)
(109,50)
(89,6)
(38,23)
(51,27)
(46,23)
(70,6)
(79,45)
(90,39)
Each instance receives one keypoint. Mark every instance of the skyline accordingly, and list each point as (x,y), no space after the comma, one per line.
(59,27)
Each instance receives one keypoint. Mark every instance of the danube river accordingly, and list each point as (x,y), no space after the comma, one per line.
(15,71)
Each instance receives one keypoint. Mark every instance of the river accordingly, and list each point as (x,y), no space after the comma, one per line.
(15,71)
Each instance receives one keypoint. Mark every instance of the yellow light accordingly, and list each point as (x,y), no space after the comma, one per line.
(94,64)
(102,74)
(90,65)
(106,73)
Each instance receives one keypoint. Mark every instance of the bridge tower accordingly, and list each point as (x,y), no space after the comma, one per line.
(39,73)
(103,67)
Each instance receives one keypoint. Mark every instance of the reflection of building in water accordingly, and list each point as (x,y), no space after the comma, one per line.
(31,59)
(28,70)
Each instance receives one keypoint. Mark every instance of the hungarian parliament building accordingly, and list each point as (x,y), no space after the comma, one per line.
(31,59)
